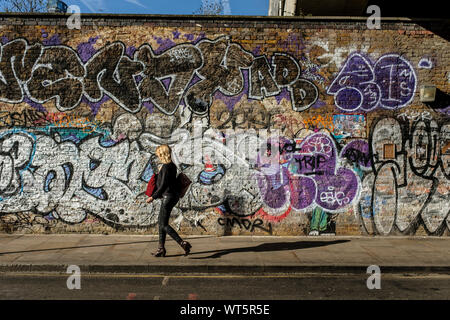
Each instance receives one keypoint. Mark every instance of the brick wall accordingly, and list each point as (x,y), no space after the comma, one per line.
(285,126)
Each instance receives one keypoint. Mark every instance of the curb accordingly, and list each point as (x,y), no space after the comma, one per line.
(231,269)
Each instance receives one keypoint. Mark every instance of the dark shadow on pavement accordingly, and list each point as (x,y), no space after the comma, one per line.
(89,246)
(267,247)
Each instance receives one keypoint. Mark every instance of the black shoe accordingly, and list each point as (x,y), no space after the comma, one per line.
(186,246)
(160,253)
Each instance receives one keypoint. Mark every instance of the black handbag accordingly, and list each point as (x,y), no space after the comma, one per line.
(183,183)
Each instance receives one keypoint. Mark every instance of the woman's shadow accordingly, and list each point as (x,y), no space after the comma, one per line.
(267,247)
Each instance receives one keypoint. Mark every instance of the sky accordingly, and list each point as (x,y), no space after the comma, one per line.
(231,7)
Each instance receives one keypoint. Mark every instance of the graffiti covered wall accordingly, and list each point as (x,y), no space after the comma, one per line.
(286,128)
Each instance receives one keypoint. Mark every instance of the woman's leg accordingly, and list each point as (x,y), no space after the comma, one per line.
(166,208)
(168,204)
(162,223)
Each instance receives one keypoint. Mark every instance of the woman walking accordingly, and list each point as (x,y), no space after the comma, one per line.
(168,190)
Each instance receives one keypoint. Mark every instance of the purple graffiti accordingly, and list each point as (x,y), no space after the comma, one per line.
(95,106)
(396,79)
(257,51)
(164,44)
(390,83)
(189,36)
(309,172)
(199,38)
(284,94)
(130,51)
(35,105)
(357,152)
(425,63)
(293,44)
(176,34)
(53,41)
(86,49)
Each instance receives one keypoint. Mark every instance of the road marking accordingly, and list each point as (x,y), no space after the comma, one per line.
(156,298)
(165,280)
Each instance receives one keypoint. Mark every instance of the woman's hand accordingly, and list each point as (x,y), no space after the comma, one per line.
(149,200)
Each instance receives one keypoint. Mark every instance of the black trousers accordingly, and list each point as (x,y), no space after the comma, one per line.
(168,202)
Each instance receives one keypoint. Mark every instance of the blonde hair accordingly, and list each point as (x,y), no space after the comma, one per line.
(164,153)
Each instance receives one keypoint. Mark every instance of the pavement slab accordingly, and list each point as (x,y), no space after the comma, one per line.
(226,254)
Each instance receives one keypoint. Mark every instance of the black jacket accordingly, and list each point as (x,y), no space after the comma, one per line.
(166,182)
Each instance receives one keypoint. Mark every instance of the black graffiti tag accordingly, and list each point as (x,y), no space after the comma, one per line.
(167,75)
(186,71)
(221,70)
(109,71)
(261,80)
(59,74)
(16,63)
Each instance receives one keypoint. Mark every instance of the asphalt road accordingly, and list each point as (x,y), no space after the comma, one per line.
(53,286)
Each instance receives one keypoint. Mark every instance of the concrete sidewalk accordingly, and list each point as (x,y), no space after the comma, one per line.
(232,254)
